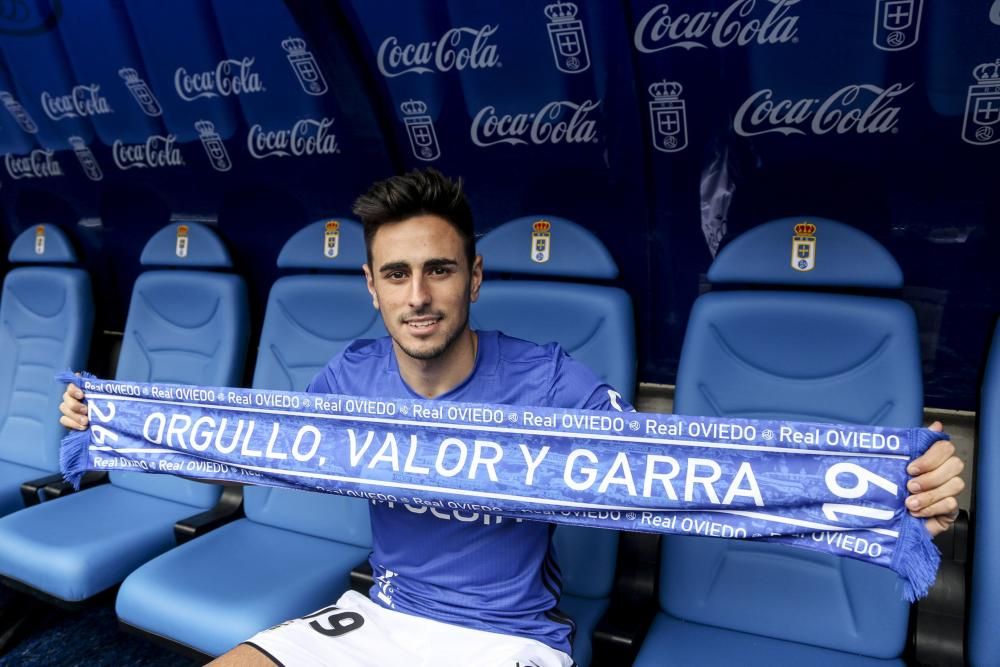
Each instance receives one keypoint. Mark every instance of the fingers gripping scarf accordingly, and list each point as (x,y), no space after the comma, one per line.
(827,487)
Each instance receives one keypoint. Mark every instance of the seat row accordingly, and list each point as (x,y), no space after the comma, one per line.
(187,323)
(790,349)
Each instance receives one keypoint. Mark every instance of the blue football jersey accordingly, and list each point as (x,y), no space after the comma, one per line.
(471,568)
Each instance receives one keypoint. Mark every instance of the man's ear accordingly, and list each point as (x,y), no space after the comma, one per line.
(476,278)
(370,282)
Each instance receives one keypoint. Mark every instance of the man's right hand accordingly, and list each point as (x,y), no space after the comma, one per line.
(74,412)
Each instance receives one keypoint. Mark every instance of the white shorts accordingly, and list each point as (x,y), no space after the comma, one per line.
(356,632)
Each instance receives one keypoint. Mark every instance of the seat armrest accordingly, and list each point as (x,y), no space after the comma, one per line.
(30,490)
(229,508)
(362,577)
(619,633)
(59,488)
(938,638)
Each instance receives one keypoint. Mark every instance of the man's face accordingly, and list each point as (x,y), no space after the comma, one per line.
(422,284)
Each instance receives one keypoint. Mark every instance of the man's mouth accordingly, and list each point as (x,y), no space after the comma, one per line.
(421,323)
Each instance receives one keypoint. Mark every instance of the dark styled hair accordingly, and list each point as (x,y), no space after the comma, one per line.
(419,192)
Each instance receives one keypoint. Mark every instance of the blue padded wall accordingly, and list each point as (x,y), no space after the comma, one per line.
(664,128)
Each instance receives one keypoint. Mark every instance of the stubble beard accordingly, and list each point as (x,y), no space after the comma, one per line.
(435,352)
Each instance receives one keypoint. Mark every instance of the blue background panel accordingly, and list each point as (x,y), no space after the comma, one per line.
(663,128)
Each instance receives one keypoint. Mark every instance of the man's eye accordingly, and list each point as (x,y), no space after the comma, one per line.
(396,275)
(440,271)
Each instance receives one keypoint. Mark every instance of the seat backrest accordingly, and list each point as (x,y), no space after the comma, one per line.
(984,642)
(186,324)
(594,323)
(309,319)
(46,319)
(801,355)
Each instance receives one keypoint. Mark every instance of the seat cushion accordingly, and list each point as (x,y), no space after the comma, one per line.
(674,642)
(586,558)
(585,612)
(222,588)
(12,476)
(310,512)
(80,545)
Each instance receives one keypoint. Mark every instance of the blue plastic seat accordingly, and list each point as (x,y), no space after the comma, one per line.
(212,593)
(594,323)
(46,318)
(184,325)
(983,640)
(793,354)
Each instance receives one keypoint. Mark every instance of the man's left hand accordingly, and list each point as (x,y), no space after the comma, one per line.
(935,485)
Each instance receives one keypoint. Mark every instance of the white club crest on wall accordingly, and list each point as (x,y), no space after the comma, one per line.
(567,38)
(86,158)
(668,117)
(897,24)
(981,125)
(20,114)
(214,147)
(420,130)
(141,92)
(305,66)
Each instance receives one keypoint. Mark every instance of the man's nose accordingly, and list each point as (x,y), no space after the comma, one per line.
(419,294)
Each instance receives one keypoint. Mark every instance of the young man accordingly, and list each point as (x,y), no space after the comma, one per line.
(478,592)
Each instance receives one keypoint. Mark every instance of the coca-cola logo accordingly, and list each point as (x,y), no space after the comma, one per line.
(861,109)
(37,164)
(560,122)
(230,77)
(458,49)
(157,151)
(738,24)
(306,137)
(83,101)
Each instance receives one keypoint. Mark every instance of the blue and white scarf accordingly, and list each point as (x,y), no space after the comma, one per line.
(827,487)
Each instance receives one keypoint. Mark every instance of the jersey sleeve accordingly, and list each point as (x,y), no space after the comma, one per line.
(574,385)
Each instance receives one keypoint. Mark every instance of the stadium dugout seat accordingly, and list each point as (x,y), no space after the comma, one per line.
(46,318)
(186,324)
(786,352)
(983,640)
(594,323)
(294,551)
